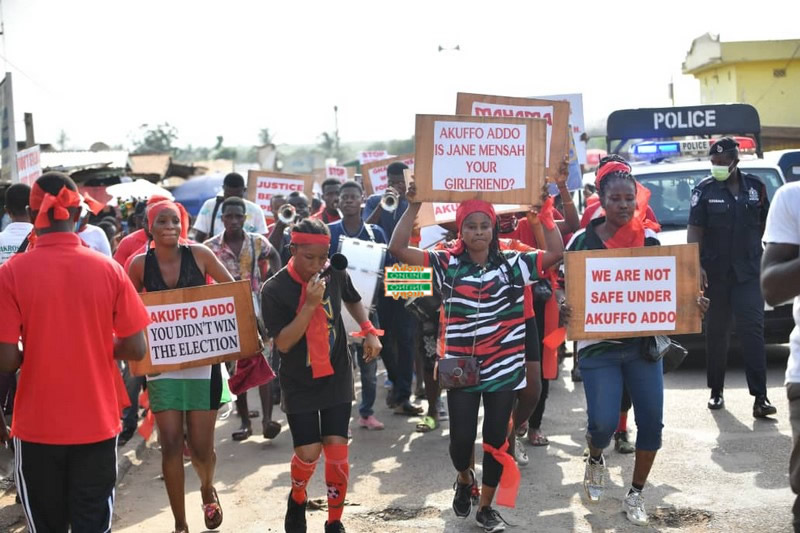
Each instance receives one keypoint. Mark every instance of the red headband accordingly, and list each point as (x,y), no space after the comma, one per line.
(467,207)
(156,198)
(154,210)
(44,202)
(608,168)
(310,238)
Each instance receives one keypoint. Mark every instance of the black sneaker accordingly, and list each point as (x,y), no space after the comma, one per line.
(490,520)
(334,527)
(462,501)
(295,521)
(762,408)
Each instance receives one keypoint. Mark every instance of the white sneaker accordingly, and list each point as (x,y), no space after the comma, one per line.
(633,507)
(519,452)
(593,479)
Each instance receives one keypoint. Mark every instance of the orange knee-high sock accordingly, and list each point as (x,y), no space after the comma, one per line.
(337,472)
(301,473)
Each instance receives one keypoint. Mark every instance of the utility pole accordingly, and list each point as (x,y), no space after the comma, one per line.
(29,139)
(336,130)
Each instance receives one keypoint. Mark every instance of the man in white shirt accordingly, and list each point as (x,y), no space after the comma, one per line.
(16,201)
(780,281)
(209,220)
(95,238)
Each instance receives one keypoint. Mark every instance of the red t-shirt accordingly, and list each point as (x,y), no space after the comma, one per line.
(67,302)
(326,217)
(130,246)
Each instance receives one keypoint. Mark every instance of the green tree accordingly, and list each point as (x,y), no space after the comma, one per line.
(156,139)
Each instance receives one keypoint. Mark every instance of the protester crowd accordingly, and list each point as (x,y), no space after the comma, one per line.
(498,309)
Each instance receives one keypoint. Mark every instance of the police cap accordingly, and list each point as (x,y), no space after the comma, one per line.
(725,144)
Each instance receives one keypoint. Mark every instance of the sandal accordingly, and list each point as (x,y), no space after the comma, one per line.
(253,414)
(536,438)
(242,433)
(271,429)
(427,424)
(212,512)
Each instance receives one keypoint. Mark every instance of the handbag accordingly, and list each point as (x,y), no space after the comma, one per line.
(661,347)
(250,372)
(459,372)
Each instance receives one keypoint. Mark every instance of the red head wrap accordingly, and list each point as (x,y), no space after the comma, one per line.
(156,198)
(608,168)
(154,209)
(465,209)
(93,205)
(310,238)
(44,202)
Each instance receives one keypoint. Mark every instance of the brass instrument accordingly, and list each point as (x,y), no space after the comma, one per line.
(287,214)
(390,201)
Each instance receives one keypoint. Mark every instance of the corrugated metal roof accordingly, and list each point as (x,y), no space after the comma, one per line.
(84,159)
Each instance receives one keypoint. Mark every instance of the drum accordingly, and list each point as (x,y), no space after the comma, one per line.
(365,260)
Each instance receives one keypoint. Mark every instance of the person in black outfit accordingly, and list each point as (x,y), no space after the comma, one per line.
(727,217)
(302,312)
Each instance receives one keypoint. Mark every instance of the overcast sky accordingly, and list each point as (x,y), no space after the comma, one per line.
(99,68)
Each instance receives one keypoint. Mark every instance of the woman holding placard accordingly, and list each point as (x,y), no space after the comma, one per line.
(195,393)
(483,337)
(301,305)
(608,365)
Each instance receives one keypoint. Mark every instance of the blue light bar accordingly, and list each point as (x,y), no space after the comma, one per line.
(656,149)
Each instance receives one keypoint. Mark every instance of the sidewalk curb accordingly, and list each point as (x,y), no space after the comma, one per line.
(130,455)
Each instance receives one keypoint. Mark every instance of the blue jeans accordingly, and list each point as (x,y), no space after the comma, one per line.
(604,374)
(369,381)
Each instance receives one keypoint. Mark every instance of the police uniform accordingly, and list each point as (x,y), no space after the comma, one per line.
(730,253)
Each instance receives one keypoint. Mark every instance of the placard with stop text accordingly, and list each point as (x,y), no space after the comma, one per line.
(499,160)
(555,112)
(262,185)
(198,326)
(375,176)
(633,292)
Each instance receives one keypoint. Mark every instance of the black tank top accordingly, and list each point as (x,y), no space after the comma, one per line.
(189,276)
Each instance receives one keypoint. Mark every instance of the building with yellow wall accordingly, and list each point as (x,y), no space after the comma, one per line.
(764,74)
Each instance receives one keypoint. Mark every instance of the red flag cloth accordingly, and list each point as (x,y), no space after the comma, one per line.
(317,336)
(546,214)
(250,373)
(149,422)
(94,206)
(506,494)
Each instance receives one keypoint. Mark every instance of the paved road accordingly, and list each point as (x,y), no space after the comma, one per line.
(721,471)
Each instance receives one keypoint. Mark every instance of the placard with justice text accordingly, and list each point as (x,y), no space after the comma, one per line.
(556,113)
(633,292)
(374,173)
(499,160)
(262,185)
(198,326)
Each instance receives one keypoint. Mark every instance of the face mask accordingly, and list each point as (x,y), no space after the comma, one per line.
(720,172)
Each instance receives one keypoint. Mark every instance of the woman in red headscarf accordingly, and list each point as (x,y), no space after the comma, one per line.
(482,318)
(608,366)
(196,393)
(302,312)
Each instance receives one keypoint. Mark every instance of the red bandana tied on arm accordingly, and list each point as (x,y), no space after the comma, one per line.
(44,202)
(317,336)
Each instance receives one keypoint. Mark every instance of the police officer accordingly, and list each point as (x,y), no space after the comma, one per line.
(727,217)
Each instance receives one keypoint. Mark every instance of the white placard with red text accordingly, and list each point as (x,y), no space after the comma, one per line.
(631,294)
(340,173)
(263,185)
(487,109)
(376,179)
(183,333)
(368,156)
(29,168)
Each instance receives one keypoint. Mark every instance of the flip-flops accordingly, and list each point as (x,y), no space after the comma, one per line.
(537,439)
(212,512)
(242,433)
(427,424)
(271,429)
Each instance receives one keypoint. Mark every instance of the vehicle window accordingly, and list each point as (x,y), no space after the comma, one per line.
(671,192)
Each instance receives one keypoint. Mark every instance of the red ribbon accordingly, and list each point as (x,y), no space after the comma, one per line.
(546,214)
(553,335)
(366,329)
(44,202)
(506,494)
(317,336)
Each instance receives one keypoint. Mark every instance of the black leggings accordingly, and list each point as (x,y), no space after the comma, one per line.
(309,428)
(463,408)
